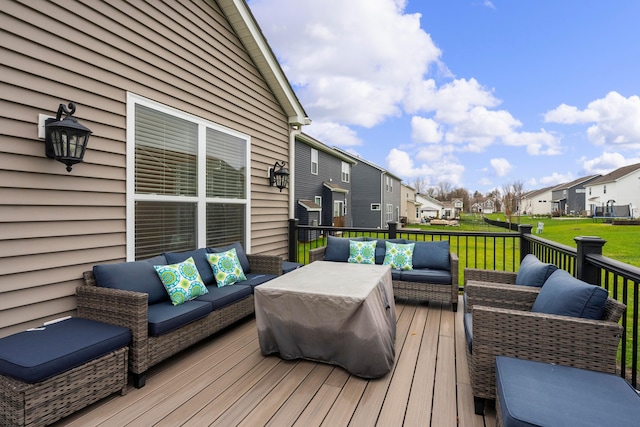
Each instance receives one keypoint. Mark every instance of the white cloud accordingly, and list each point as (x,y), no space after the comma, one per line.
(615,120)
(425,130)
(489,4)
(501,166)
(606,163)
(537,143)
(556,179)
(333,134)
(347,66)
(445,169)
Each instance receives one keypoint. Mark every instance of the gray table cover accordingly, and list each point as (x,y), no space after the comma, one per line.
(332,312)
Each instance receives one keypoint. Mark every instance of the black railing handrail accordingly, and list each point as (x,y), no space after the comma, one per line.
(618,268)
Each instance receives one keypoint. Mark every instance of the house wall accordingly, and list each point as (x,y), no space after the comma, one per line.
(55,224)
(365,182)
(391,197)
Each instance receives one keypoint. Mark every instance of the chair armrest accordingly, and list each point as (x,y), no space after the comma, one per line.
(570,341)
(265,264)
(500,295)
(453,260)
(118,307)
(317,254)
(494,276)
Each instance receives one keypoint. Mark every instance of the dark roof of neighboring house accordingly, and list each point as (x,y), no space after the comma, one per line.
(616,174)
(335,187)
(318,145)
(309,205)
(373,165)
(534,193)
(574,183)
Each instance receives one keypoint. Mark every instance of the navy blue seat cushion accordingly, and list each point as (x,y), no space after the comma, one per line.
(35,355)
(425,275)
(565,295)
(434,255)
(288,266)
(540,394)
(533,272)
(200,258)
(381,247)
(221,297)
(338,248)
(164,317)
(396,274)
(138,276)
(254,279)
(242,256)
(468,330)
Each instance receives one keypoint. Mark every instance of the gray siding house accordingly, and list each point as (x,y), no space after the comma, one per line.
(376,194)
(188,108)
(322,190)
(570,198)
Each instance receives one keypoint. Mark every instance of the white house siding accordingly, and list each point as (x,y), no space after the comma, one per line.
(623,191)
(55,224)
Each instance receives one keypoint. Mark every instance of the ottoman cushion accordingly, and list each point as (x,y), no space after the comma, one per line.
(540,394)
(35,355)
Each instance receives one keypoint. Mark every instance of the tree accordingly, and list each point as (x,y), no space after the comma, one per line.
(421,185)
(443,190)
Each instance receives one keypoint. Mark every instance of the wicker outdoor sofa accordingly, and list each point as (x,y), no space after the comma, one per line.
(504,325)
(131,309)
(437,282)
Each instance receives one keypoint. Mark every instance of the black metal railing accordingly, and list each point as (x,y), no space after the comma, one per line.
(504,251)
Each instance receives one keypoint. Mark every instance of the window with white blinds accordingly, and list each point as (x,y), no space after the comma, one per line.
(190,181)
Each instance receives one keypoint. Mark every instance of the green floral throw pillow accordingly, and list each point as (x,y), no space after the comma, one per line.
(182,281)
(399,256)
(226,267)
(362,252)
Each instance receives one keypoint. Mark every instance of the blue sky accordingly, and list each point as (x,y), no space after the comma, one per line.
(476,93)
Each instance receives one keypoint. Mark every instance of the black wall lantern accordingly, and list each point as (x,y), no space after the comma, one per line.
(66,140)
(279,176)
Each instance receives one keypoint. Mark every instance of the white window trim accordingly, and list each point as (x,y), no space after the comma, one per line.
(314,155)
(345,172)
(375,206)
(131,197)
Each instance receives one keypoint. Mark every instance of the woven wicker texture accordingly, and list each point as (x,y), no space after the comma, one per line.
(500,330)
(414,290)
(129,309)
(40,404)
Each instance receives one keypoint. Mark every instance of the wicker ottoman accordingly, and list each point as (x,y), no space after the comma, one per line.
(50,372)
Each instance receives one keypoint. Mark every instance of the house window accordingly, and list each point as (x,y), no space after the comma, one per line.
(389,212)
(388,184)
(375,206)
(345,172)
(186,181)
(314,161)
(605,189)
(318,201)
(338,208)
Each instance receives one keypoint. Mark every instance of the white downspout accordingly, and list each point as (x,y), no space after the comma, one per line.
(293,131)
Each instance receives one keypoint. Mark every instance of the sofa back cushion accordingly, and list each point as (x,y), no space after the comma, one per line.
(533,272)
(200,258)
(138,276)
(240,253)
(565,295)
(433,255)
(338,248)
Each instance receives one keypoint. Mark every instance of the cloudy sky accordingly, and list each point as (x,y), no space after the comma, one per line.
(477,93)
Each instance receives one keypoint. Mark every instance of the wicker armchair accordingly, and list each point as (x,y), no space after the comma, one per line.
(503,324)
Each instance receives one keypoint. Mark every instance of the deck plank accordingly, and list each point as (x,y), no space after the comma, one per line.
(225,380)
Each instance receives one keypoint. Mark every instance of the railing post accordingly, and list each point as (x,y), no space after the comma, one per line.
(293,239)
(525,246)
(588,245)
(393,228)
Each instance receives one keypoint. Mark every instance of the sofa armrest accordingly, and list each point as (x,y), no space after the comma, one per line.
(453,260)
(118,307)
(317,254)
(265,264)
(494,276)
(563,340)
(500,295)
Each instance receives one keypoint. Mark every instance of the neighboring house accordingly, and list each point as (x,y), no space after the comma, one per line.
(376,194)
(537,202)
(410,206)
(188,108)
(486,206)
(429,207)
(616,194)
(569,198)
(322,184)
(452,209)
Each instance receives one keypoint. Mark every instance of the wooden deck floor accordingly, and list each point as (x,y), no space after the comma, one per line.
(225,381)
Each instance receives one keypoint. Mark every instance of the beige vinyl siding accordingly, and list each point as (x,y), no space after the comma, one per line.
(54,225)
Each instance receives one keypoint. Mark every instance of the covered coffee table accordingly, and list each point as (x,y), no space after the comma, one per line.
(339,313)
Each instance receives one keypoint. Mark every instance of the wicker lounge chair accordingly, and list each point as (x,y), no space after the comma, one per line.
(503,324)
